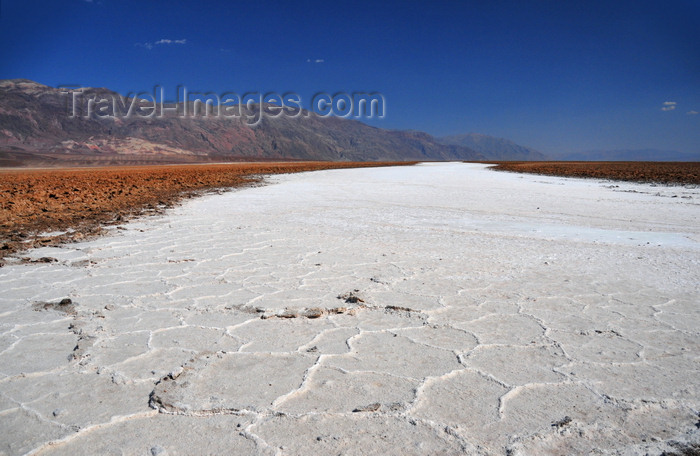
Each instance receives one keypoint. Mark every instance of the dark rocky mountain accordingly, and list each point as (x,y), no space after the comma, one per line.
(36,123)
(494,148)
(631,155)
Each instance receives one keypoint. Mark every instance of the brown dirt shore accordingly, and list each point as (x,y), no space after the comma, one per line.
(80,201)
(658,172)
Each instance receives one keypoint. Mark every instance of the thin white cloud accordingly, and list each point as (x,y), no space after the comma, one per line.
(669,106)
(315,60)
(166,41)
(693,113)
(149,45)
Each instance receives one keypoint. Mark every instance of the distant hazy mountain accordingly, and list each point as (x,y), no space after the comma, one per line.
(35,125)
(494,148)
(630,155)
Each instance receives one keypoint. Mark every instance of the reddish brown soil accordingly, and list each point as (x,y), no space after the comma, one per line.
(660,172)
(83,200)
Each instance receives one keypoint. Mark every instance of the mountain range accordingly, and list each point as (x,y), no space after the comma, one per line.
(36,124)
(494,148)
(37,127)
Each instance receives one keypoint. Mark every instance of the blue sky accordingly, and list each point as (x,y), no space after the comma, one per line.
(560,76)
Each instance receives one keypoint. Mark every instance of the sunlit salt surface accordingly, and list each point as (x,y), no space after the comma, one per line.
(434,309)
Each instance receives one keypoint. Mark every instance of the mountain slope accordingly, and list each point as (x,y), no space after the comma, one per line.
(35,119)
(494,148)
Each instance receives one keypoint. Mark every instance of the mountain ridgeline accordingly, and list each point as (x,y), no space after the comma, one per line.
(36,125)
(494,148)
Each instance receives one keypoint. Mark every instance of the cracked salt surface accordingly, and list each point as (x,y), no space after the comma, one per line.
(435,309)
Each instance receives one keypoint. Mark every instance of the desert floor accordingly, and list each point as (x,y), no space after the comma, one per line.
(659,172)
(433,309)
(51,206)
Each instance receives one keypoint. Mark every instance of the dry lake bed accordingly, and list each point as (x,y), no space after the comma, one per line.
(434,309)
